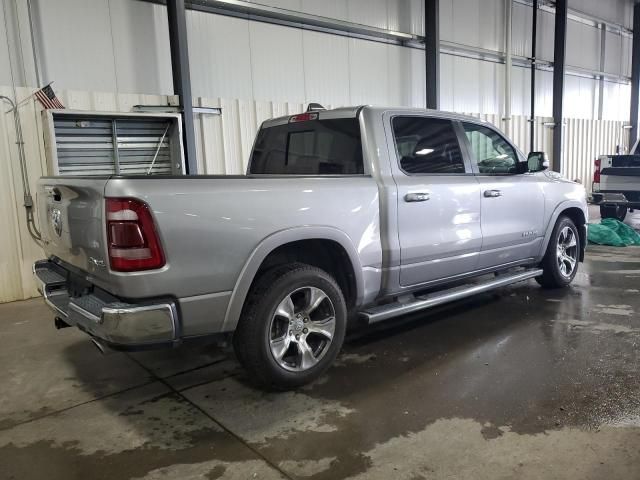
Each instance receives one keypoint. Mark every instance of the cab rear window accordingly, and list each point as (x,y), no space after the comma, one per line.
(314,147)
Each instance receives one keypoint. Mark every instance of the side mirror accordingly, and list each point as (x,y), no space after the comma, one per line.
(537,161)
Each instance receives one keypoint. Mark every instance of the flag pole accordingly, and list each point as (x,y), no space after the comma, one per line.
(24,100)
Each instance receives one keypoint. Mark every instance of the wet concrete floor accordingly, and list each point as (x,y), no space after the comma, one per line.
(520,383)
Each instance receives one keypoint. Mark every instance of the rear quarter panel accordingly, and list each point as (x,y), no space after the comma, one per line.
(214,228)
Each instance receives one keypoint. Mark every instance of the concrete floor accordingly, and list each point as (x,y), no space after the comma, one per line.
(522,383)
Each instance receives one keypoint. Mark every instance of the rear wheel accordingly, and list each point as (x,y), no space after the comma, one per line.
(292,326)
(613,211)
(560,262)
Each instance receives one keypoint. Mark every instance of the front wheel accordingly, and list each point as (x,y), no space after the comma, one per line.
(560,262)
(613,211)
(292,326)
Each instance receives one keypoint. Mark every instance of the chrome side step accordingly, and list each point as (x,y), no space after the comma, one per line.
(383,312)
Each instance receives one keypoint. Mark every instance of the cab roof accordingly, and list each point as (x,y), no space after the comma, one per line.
(352,112)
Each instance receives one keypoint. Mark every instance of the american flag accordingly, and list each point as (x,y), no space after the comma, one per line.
(48,98)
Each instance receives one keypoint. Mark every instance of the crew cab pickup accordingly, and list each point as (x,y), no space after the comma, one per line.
(352,215)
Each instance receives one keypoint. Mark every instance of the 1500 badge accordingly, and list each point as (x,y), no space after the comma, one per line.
(529,233)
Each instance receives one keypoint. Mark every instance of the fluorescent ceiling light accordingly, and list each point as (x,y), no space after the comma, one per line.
(424,151)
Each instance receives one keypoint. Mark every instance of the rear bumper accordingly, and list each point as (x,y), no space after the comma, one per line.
(615,199)
(114,323)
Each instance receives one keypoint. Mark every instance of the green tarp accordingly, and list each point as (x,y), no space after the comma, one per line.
(612,232)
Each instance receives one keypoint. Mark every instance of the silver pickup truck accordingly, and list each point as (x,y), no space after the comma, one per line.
(344,216)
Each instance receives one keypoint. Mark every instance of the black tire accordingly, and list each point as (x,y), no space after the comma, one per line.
(613,211)
(552,276)
(253,336)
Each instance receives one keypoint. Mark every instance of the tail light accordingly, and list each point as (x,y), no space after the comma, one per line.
(133,242)
(596,171)
(595,187)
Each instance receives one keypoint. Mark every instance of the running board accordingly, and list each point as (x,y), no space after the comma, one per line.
(383,312)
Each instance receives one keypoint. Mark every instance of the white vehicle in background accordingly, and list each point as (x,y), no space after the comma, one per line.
(616,184)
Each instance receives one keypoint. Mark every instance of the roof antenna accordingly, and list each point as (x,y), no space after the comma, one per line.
(315,107)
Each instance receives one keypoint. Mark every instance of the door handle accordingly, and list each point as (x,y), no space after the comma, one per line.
(416,197)
(492,193)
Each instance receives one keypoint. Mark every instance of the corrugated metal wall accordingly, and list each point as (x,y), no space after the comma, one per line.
(126,44)
(224,143)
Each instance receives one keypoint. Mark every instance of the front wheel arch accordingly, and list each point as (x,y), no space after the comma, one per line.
(576,212)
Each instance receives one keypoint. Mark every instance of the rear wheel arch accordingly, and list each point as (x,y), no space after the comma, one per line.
(328,255)
(280,247)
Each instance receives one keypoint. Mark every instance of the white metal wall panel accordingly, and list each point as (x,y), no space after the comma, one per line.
(613,62)
(276,62)
(326,8)
(406,16)
(77,44)
(368,12)
(626,56)
(484,94)
(580,97)
(326,68)
(219,67)
(520,92)
(273,63)
(616,11)
(295,5)
(583,45)
(472,22)
(18,64)
(617,101)
(368,72)
(141,47)
(18,249)
(406,77)
(401,77)
(5,71)
(522,32)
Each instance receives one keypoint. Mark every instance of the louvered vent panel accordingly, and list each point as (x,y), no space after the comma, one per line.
(85,146)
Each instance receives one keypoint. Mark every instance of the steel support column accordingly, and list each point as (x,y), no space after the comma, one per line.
(182,78)
(635,75)
(432,52)
(532,95)
(559,51)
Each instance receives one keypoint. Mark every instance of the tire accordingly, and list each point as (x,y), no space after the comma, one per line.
(613,211)
(562,247)
(282,340)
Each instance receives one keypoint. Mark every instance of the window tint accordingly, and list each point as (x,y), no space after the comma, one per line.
(313,147)
(427,145)
(490,152)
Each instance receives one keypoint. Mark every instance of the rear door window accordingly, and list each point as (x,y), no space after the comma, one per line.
(427,146)
(313,147)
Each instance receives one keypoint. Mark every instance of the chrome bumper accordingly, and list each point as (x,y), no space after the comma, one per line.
(105,317)
(608,198)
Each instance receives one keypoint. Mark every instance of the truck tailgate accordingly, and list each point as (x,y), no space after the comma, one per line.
(620,173)
(71,211)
